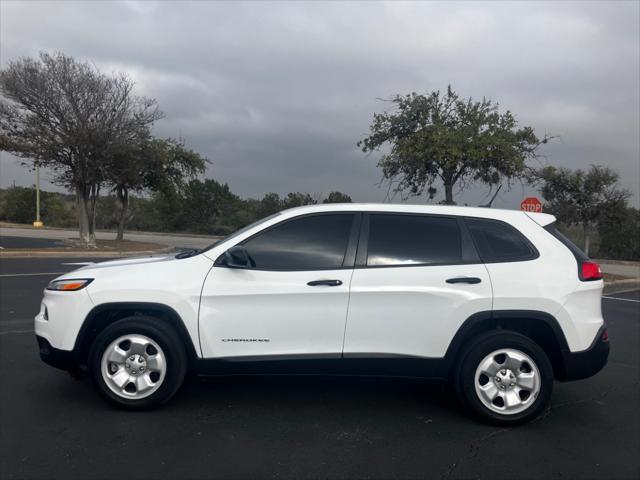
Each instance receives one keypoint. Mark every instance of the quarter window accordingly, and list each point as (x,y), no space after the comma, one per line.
(316,242)
(498,241)
(413,240)
(577,253)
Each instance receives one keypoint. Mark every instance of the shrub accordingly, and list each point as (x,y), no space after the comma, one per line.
(18,205)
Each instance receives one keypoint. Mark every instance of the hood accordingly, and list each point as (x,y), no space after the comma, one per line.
(126,276)
(127,262)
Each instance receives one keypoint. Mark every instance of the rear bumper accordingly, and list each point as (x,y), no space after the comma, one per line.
(62,359)
(585,364)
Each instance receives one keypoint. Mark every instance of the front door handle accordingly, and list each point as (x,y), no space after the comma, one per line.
(328,283)
(464,280)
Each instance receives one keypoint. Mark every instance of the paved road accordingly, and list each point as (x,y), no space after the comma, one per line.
(181,241)
(293,427)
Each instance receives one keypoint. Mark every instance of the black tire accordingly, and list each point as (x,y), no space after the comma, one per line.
(476,351)
(172,348)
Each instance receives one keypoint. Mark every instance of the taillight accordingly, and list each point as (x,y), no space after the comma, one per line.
(590,271)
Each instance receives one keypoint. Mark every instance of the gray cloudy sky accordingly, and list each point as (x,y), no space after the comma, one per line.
(277,94)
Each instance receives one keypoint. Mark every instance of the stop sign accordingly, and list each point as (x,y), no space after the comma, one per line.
(531,204)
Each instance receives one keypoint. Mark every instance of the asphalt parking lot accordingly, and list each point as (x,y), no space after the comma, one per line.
(302,427)
(22,242)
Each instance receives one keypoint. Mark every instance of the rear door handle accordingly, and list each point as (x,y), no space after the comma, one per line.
(464,280)
(328,283)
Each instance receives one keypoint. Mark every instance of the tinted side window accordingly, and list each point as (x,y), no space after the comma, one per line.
(413,239)
(316,242)
(497,241)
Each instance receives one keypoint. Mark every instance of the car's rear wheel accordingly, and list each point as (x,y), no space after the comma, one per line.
(504,377)
(137,363)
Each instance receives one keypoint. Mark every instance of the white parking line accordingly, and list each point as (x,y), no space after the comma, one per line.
(9,332)
(30,274)
(622,299)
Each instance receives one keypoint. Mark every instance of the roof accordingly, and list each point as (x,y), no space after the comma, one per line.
(495,213)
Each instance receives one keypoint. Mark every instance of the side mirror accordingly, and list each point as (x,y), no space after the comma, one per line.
(236,257)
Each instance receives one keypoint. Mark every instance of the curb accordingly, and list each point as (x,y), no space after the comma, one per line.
(604,261)
(84,253)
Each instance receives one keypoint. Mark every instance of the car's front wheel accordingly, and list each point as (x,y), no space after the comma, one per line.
(137,363)
(504,377)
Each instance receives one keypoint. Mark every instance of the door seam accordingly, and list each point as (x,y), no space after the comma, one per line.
(490,284)
(200,306)
(346,317)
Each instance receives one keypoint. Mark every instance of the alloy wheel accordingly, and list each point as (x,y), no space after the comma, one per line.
(507,381)
(133,366)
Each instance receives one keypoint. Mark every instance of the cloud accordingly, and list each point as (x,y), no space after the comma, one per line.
(277,94)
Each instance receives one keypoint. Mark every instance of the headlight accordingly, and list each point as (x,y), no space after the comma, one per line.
(69,285)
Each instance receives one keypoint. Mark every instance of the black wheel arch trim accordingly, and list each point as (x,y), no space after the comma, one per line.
(136,308)
(547,318)
(571,362)
(501,319)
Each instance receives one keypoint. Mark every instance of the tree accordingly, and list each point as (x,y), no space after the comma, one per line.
(444,137)
(68,116)
(18,204)
(619,232)
(297,199)
(152,165)
(198,207)
(270,204)
(337,197)
(204,202)
(581,198)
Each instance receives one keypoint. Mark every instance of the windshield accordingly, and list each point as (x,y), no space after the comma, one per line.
(240,232)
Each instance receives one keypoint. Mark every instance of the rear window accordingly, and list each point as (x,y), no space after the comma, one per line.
(498,241)
(413,240)
(579,254)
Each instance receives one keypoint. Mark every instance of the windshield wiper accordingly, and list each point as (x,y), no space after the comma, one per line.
(188,253)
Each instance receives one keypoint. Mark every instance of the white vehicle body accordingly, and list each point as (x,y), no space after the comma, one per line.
(406,310)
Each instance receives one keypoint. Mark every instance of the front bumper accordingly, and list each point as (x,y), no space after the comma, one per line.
(63,359)
(585,364)
(65,315)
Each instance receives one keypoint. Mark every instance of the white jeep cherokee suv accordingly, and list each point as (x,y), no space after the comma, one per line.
(496,301)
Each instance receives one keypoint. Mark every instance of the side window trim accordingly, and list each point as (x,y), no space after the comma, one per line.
(348,260)
(352,245)
(469,251)
(363,243)
(470,255)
